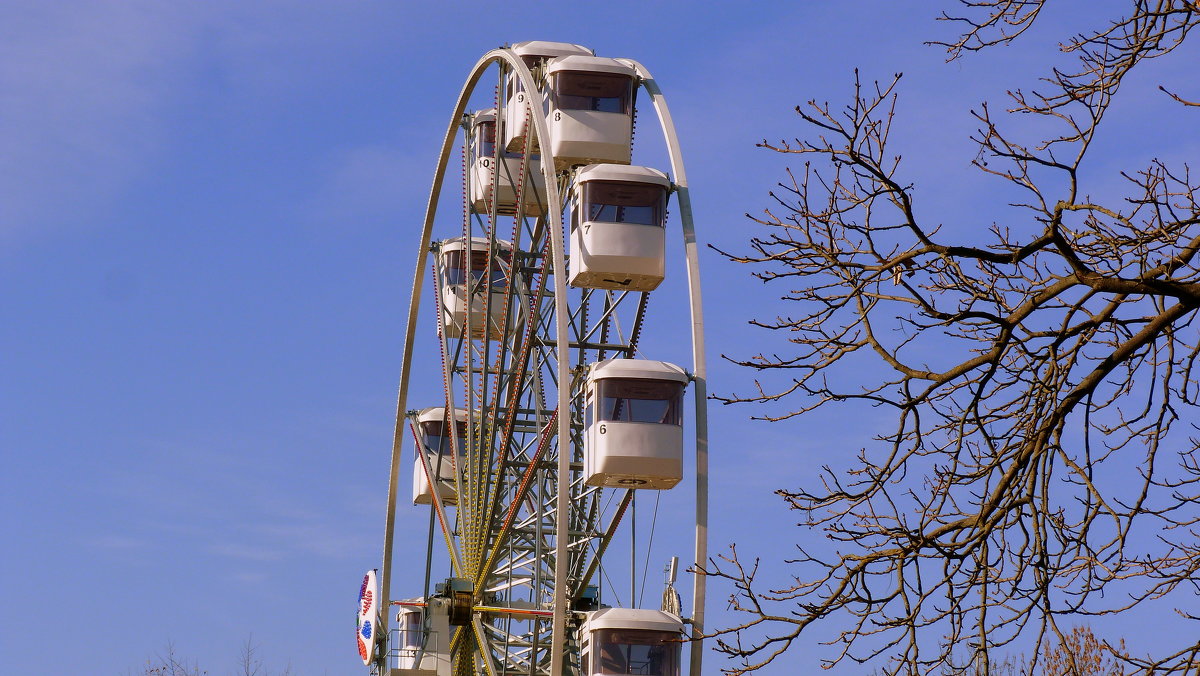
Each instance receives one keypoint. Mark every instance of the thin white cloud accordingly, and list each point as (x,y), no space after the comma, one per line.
(246,552)
(248,577)
(87,89)
(369,185)
(80,84)
(274,47)
(115,542)
(321,538)
(239,501)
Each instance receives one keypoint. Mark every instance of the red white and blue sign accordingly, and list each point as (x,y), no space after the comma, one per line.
(367,626)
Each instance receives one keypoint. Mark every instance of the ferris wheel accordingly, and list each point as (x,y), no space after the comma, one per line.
(553,415)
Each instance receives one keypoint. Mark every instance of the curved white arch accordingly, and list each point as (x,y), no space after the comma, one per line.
(700,369)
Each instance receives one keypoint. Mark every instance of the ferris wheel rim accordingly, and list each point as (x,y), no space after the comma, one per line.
(699,361)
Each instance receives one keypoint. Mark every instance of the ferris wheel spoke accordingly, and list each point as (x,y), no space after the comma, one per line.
(522,491)
(482,639)
(432,476)
(601,322)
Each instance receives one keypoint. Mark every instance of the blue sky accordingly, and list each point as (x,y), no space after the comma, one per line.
(207,223)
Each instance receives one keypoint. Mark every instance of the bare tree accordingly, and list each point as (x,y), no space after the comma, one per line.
(170,664)
(1041,377)
(1081,654)
(247,663)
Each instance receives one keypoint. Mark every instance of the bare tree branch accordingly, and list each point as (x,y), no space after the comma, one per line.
(1037,377)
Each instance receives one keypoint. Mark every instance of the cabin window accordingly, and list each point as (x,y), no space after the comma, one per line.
(605,92)
(486,140)
(485,144)
(412,630)
(515,85)
(638,400)
(636,651)
(436,438)
(622,202)
(456,270)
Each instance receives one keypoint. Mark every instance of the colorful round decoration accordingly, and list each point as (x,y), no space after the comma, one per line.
(366,627)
